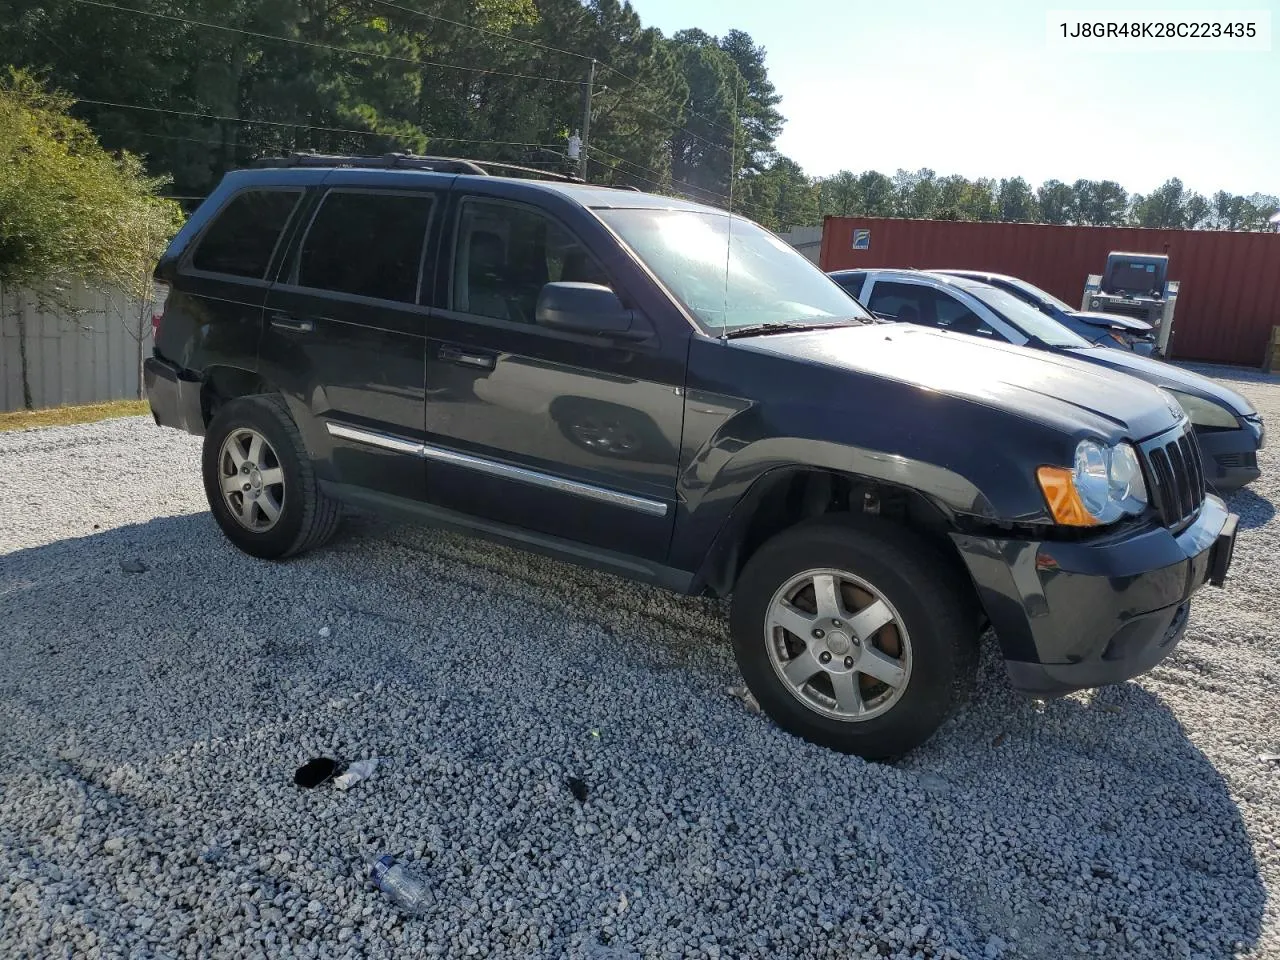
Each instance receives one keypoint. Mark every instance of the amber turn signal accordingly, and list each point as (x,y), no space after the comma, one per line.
(1064,502)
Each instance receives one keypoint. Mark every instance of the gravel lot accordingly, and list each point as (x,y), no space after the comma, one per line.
(152,722)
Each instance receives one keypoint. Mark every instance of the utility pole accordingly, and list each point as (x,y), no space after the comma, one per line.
(586,117)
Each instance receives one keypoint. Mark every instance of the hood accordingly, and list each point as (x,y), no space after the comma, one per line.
(1053,388)
(1166,375)
(1098,319)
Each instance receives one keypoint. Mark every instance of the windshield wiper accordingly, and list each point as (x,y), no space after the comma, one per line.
(776,326)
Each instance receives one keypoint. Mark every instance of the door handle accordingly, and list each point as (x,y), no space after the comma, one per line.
(468,358)
(282,321)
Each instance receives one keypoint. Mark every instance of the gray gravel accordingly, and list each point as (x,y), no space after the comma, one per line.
(152,721)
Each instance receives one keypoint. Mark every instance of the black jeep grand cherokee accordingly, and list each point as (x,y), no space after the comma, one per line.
(662,391)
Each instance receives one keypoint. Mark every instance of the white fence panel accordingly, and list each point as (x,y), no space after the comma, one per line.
(808,240)
(85,352)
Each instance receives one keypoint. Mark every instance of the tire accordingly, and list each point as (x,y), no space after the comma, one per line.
(278,509)
(929,645)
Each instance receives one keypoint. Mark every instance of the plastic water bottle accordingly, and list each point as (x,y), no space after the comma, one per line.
(407,891)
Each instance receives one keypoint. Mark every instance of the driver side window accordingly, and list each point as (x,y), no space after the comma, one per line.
(503,256)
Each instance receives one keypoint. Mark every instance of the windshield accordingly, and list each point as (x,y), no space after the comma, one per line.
(754,279)
(1027,318)
(1044,296)
(1133,275)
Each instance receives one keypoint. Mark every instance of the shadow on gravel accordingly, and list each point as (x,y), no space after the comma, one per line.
(1109,806)
(1089,825)
(1255,511)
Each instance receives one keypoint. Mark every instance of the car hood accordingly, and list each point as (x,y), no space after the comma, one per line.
(1166,375)
(1053,388)
(1099,319)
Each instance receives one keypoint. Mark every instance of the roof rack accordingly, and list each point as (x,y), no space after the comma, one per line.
(410,161)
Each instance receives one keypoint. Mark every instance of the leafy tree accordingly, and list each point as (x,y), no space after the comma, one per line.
(840,195)
(788,197)
(68,209)
(1100,203)
(1016,202)
(1163,207)
(917,192)
(1264,207)
(761,121)
(1056,201)
(1196,212)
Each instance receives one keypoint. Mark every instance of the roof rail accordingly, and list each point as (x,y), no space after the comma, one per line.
(409,161)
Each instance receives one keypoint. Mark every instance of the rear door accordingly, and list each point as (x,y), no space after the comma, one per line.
(213,316)
(571,436)
(345,336)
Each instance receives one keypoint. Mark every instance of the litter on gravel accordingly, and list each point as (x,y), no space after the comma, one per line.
(355,772)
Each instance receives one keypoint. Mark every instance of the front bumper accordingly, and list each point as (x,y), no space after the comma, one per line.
(174,397)
(1230,457)
(1073,615)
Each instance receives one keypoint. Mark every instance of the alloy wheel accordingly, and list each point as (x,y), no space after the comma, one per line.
(838,644)
(252,479)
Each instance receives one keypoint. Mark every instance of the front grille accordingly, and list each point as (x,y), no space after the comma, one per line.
(1137,311)
(1175,477)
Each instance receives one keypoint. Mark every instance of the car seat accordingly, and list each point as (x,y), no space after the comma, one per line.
(486,276)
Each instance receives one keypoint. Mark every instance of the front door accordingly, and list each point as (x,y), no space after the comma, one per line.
(554,432)
(345,337)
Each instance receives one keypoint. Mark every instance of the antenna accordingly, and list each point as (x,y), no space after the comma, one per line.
(733,175)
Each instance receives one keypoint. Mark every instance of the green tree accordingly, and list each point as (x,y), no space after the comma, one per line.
(917,193)
(839,195)
(791,198)
(1196,212)
(70,210)
(1016,202)
(1163,207)
(1056,201)
(1100,203)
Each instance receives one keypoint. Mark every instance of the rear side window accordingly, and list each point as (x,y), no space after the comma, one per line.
(243,236)
(368,244)
(851,282)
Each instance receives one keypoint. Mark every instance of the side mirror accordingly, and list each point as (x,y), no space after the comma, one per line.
(587,308)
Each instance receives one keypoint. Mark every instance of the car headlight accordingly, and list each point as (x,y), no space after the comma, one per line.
(1205,413)
(1104,485)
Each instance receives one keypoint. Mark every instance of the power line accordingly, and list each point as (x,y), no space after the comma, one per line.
(637,166)
(321,46)
(696,136)
(214,116)
(560,50)
(645,86)
(167,136)
(484,30)
(408,60)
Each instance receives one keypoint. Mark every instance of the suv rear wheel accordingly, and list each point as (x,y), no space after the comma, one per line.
(854,634)
(259,481)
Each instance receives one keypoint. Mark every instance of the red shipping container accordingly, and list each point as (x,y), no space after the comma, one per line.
(1228,301)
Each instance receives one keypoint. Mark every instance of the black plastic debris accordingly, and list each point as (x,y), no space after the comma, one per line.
(577,787)
(316,771)
(133,566)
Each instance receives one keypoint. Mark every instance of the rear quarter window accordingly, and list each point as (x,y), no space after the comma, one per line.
(243,235)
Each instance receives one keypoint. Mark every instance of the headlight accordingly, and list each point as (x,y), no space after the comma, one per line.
(1095,303)
(1105,484)
(1205,413)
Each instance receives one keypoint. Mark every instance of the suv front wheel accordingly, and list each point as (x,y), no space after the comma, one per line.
(854,634)
(259,481)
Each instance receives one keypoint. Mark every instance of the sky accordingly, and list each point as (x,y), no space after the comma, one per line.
(973,87)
